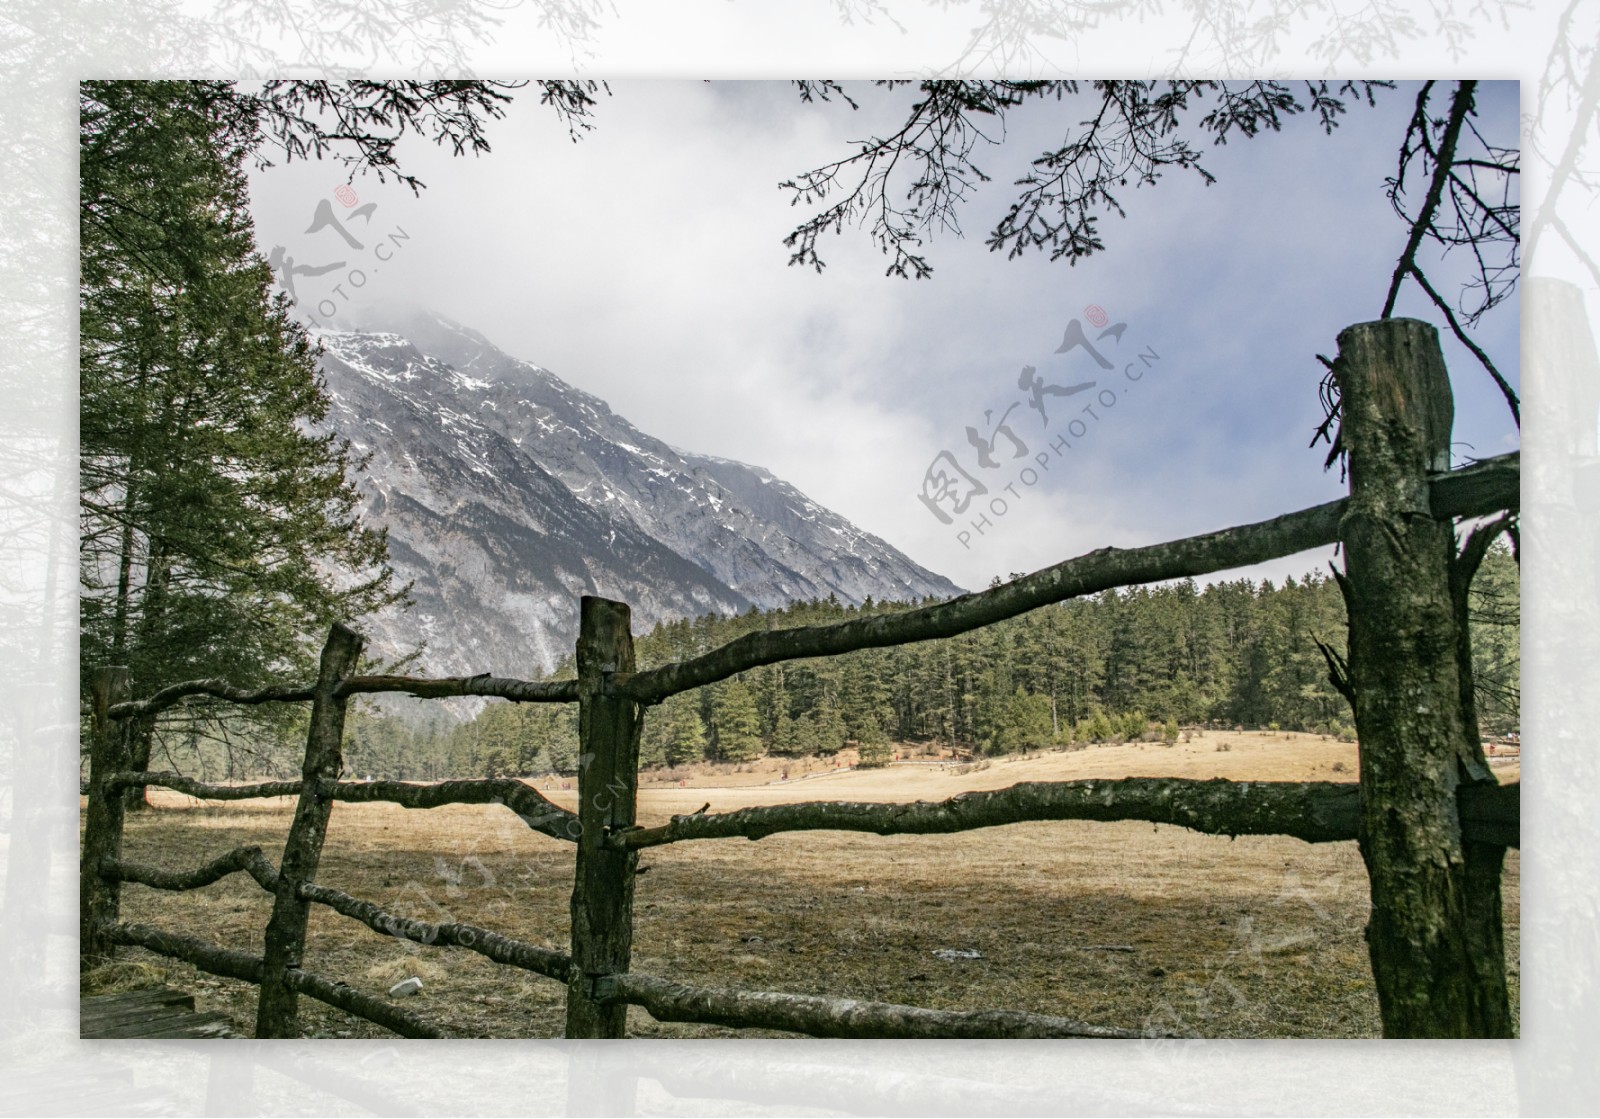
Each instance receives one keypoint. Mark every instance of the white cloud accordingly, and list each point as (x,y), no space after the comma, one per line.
(645,264)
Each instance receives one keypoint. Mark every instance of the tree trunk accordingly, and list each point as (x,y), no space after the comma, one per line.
(1427,944)
(608,765)
(142,732)
(98,898)
(302,851)
(140,736)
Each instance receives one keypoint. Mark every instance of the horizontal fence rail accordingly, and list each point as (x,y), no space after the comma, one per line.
(1315,811)
(501,949)
(502,687)
(226,962)
(251,860)
(247,859)
(1487,487)
(822,1016)
(352,1001)
(423,687)
(241,965)
(535,809)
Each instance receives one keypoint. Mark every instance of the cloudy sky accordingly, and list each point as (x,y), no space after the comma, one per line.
(645,264)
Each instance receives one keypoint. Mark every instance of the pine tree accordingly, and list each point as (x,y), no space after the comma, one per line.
(684,729)
(736,723)
(219,530)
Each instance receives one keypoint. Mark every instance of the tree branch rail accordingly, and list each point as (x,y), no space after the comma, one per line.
(1314,811)
(822,1016)
(536,810)
(1485,487)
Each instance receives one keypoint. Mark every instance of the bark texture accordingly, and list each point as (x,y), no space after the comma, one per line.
(519,691)
(99,898)
(500,949)
(820,1016)
(539,813)
(207,957)
(248,859)
(1396,413)
(241,965)
(608,776)
(352,1001)
(1315,811)
(302,851)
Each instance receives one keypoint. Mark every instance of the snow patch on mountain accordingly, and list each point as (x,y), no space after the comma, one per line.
(507,493)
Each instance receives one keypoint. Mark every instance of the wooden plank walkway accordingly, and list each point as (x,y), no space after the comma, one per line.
(155,1012)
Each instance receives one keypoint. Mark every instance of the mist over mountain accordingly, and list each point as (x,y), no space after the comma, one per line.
(508,493)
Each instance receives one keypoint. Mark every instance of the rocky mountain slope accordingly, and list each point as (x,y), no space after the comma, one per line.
(508,493)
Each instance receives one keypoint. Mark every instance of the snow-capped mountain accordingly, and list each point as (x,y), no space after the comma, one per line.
(508,493)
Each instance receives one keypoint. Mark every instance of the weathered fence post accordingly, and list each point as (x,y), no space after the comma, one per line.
(608,778)
(99,898)
(286,930)
(1396,415)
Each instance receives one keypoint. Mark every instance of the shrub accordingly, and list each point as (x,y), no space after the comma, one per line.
(874,754)
(1096,728)
(1131,726)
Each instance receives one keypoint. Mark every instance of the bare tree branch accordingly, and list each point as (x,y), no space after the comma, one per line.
(929,160)
(1477,351)
(248,859)
(1313,811)
(536,811)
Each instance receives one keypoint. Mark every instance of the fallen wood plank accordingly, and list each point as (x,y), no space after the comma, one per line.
(210,1025)
(156,1012)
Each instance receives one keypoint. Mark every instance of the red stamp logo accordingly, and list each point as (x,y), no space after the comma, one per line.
(1095,313)
(347,197)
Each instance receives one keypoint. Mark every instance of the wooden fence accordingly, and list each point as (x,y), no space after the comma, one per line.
(1432,824)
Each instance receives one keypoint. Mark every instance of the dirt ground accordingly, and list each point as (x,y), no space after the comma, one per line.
(1120,924)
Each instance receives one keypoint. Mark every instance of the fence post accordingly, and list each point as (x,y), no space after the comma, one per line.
(98,898)
(1396,415)
(608,779)
(286,930)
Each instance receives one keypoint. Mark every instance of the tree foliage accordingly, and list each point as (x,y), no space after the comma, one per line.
(218,528)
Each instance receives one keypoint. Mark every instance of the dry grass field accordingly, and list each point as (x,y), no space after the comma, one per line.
(1116,924)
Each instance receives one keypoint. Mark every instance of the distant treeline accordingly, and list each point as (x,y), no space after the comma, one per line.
(1122,664)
